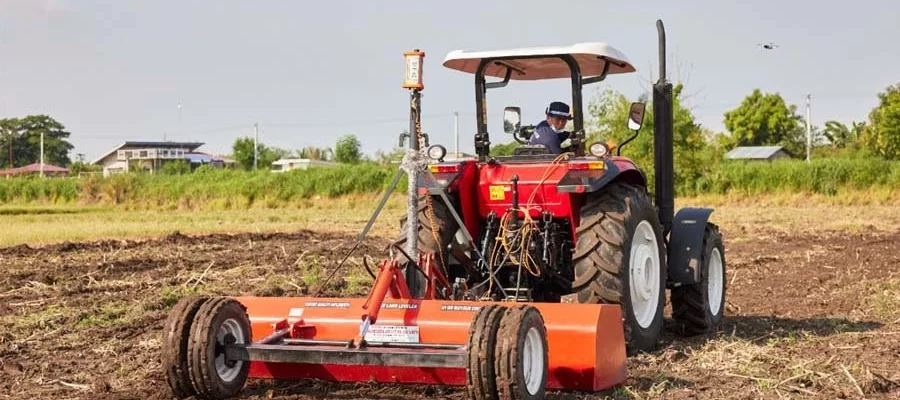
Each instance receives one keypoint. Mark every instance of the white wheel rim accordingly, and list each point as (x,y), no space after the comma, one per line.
(715,282)
(225,372)
(644,274)
(533,358)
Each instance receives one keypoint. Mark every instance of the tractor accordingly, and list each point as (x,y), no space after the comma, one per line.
(580,226)
(512,275)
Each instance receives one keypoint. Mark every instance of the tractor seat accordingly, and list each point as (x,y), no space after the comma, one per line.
(531,150)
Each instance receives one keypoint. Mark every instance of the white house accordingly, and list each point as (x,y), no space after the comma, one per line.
(287,164)
(145,155)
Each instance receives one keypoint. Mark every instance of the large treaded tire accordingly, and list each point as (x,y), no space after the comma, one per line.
(446,228)
(481,378)
(691,304)
(602,257)
(205,348)
(174,348)
(521,354)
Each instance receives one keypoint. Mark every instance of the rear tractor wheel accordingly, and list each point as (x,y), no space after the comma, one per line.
(699,308)
(620,259)
(432,238)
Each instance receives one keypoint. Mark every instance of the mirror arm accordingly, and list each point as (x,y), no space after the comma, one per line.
(619,148)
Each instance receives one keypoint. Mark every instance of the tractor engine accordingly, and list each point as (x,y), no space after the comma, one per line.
(525,259)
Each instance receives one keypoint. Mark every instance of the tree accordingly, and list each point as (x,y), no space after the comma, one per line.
(609,113)
(20,140)
(842,136)
(387,157)
(766,120)
(882,134)
(504,149)
(347,149)
(315,153)
(242,152)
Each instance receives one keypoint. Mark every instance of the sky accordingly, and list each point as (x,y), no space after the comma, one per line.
(309,72)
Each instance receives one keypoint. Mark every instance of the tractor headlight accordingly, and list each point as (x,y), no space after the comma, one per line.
(599,149)
(437,152)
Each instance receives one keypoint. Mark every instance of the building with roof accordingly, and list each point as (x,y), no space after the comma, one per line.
(758,153)
(147,156)
(35,169)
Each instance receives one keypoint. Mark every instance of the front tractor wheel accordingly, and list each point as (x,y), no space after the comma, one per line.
(619,259)
(699,308)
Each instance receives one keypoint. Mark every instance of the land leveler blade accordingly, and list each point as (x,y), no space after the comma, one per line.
(519,349)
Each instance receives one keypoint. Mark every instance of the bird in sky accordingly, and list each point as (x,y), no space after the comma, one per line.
(769,46)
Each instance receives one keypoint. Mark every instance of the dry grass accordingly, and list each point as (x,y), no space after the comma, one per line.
(43,225)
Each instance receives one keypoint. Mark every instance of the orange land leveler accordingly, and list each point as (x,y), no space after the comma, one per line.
(514,274)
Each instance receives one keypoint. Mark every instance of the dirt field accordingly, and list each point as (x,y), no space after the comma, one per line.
(812,315)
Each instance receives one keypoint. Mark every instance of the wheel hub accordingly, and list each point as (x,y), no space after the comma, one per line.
(715,282)
(532,354)
(229,333)
(644,274)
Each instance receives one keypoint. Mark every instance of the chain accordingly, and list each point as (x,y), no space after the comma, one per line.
(429,201)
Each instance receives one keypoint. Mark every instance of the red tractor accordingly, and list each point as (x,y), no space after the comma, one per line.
(580,227)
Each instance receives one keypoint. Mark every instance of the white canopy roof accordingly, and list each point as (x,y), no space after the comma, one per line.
(591,58)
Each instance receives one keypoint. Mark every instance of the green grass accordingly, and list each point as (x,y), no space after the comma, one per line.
(826,176)
(203,189)
(239,190)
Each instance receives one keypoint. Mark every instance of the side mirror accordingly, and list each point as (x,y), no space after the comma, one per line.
(512,119)
(636,116)
(635,120)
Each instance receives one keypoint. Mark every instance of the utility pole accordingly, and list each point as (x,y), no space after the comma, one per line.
(808,130)
(456,132)
(42,154)
(255,145)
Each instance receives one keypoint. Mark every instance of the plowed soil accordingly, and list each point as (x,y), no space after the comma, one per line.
(808,316)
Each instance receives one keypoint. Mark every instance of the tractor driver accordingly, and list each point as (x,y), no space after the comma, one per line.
(549,132)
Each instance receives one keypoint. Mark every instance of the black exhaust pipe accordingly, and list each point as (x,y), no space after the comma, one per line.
(663,142)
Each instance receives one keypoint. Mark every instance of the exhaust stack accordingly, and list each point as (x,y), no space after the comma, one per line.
(663,141)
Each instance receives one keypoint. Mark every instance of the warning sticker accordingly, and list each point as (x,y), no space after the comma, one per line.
(449,307)
(393,334)
(327,304)
(498,192)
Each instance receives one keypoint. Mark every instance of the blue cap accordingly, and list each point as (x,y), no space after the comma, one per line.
(559,109)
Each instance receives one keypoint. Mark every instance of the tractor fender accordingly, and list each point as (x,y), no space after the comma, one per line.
(592,180)
(686,245)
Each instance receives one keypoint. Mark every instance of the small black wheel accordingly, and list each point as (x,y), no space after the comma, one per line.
(220,321)
(521,354)
(481,378)
(700,307)
(174,349)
